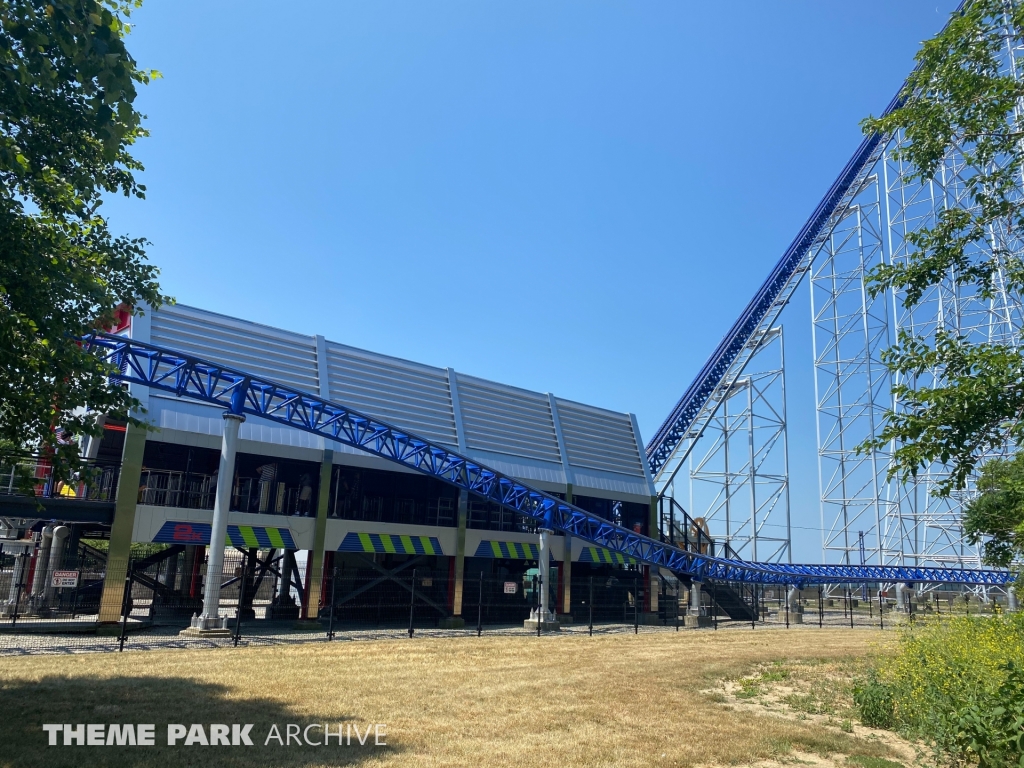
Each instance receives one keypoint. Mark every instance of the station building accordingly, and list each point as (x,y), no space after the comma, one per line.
(320,506)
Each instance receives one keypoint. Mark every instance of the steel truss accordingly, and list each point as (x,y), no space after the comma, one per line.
(243,393)
(926,528)
(850,329)
(862,221)
(905,524)
(739,476)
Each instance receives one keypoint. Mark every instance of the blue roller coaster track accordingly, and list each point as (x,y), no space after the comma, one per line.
(765,304)
(243,393)
(710,377)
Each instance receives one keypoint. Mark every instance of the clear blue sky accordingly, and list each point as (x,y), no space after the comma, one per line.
(576,197)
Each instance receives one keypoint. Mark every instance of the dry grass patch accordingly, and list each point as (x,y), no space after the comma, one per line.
(618,700)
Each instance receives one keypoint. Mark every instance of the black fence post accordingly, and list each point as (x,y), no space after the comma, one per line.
(714,602)
(480,607)
(850,593)
(591,603)
(787,609)
(334,586)
(821,608)
(881,611)
(74,595)
(538,585)
(412,602)
(636,601)
(679,586)
(126,607)
(21,585)
(241,599)
(753,599)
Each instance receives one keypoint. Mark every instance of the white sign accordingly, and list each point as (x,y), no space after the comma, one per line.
(64,579)
(510,587)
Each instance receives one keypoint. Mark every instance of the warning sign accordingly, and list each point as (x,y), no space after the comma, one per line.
(510,587)
(64,579)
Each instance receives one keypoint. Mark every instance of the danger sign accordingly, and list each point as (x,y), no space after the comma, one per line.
(510,587)
(64,579)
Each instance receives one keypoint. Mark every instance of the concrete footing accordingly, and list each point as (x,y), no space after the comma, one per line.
(699,622)
(200,632)
(545,626)
(452,622)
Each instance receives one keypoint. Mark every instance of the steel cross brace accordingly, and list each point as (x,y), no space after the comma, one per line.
(187,376)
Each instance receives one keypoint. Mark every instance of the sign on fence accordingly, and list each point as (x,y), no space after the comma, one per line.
(510,587)
(64,579)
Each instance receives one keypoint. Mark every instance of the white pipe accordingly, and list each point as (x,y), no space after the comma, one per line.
(42,558)
(60,534)
(544,565)
(694,598)
(219,529)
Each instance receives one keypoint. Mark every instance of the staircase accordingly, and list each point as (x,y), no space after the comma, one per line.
(679,529)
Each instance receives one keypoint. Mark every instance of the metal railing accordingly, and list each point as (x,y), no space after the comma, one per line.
(93,481)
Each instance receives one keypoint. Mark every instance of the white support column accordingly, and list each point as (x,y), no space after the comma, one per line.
(1011,599)
(694,599)
(211,622)
(543,619)
(544,566)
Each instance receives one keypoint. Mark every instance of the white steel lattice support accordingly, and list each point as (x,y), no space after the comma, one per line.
(739,471)
(852,387)
(928,528)
(903,524)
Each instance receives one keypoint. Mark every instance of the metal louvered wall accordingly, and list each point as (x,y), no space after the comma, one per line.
(415,397)
(505,420)
(599,439)
(289,358)
(601,449)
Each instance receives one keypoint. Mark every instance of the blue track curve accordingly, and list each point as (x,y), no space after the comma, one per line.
(243,393)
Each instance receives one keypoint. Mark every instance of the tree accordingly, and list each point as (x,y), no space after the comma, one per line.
(67,121)
(959,400)
(995,518)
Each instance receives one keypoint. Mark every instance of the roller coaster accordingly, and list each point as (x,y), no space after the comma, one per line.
(873,170)
(245,394)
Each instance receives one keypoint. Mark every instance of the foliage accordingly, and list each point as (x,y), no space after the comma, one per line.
(958,399)
(875,702)
(996,516)
(956,683)
(67,121)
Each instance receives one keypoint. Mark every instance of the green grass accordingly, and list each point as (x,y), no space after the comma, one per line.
(864,761)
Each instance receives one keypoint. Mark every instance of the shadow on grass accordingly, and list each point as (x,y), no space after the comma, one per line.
(26,705)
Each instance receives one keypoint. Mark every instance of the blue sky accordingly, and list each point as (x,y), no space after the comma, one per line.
(576,197)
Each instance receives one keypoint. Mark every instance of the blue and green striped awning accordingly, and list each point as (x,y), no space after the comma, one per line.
(391,543)
(602,555)
(508,550)
(259,536)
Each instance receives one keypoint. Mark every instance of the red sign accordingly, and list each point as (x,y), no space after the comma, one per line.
(185,532)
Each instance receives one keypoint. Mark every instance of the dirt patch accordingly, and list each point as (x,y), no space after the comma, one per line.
(819,692)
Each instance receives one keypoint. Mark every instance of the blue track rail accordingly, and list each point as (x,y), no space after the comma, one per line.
(675,427)
(838,197)
(243,393)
